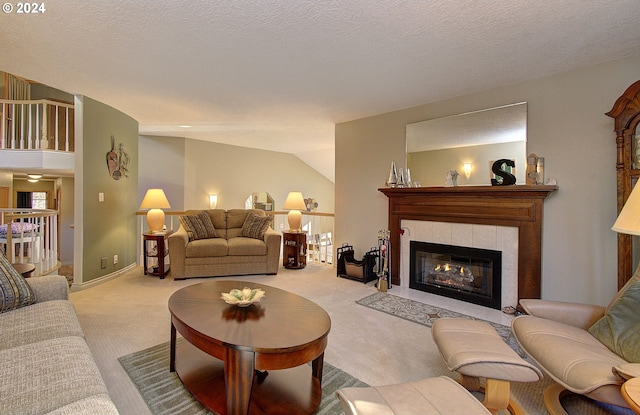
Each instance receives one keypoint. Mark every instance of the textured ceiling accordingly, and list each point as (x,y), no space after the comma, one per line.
(280,74)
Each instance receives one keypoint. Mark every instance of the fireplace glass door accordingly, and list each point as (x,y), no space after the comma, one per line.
(463,273)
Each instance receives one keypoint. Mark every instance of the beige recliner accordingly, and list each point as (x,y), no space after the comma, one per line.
(567,340)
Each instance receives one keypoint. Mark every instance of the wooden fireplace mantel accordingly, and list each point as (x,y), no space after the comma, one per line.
(515,206)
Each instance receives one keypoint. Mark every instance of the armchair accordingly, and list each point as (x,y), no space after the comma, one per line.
(586,349)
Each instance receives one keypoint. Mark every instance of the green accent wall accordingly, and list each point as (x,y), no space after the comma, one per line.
(107,228)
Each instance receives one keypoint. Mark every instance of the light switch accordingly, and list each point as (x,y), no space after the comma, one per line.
(100,197)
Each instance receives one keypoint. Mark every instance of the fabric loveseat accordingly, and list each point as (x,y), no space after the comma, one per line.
(217,242)
(46,366)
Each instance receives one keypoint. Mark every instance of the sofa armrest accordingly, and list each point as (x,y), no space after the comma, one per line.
(49,287)
(273,239)
(177,243)
(574,314)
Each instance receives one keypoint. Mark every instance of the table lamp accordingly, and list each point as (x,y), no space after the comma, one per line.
(629,218)
(155,200)
(294,203)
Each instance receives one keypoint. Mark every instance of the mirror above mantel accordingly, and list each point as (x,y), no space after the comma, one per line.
(434,147)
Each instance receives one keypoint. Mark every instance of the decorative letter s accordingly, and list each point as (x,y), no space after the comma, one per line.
(507,178)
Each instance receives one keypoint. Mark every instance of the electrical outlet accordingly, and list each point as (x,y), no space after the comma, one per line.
(281,226)
(103,263)
(115,259)
(100,197)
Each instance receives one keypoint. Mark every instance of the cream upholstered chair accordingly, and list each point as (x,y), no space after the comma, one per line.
(587,349)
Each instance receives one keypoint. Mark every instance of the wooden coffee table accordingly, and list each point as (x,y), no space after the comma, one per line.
(249,360)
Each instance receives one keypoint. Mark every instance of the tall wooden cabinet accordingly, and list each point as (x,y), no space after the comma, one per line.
(626,115)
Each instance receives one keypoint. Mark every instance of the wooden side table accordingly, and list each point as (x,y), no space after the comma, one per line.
(294,250)
(631,394)
(161,252)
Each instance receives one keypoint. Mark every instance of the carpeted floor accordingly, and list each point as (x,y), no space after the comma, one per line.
(129,314)
(164,394)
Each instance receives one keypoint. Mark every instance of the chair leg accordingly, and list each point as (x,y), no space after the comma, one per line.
(552,396)
(497,394)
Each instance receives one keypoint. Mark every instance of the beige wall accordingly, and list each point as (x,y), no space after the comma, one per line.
(193,169)
(235,172)
(566,125)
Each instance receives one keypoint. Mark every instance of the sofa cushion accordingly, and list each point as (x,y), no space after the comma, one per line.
(241,246)
(619,328)
(14,290)
(40,377)
(204,248)
(38,322)
(255,226)
(198,225)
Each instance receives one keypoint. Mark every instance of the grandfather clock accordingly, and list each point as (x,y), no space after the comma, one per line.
(626,115)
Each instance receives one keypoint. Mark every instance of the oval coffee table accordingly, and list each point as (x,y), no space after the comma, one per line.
(249,360)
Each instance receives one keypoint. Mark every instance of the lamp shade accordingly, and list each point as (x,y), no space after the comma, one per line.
(629,218)
(155,200)
(295,203)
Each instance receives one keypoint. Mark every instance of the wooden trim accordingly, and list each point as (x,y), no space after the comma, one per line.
(515,206)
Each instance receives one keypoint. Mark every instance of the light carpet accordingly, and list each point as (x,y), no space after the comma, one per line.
(165,395)
(528,395)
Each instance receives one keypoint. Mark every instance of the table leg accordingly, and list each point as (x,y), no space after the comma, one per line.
(172,352)
(160,248)
(239,369)
(144,255)
(317,366)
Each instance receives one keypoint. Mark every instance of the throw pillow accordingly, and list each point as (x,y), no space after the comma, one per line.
(255,226)
(198,226)
(15,292)
(619,329)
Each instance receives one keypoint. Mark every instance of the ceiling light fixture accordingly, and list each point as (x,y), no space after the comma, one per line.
(32,180)
(34,176)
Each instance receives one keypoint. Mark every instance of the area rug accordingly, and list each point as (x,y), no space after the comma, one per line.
(164,394)
(425,314)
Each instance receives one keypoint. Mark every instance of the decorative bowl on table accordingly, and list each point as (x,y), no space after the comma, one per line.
(244,297)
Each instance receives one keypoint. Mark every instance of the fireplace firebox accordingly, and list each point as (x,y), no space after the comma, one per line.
(469,274)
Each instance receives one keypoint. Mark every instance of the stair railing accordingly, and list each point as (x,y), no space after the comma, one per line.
(36,125)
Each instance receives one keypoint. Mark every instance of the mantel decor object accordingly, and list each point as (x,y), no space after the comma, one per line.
(451,179)
(244,297)
(393,175)
(502,170)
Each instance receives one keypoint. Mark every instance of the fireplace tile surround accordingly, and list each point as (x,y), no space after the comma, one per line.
(491,216)
(498,238)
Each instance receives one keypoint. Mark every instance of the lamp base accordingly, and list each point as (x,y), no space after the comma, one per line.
(155,220)
(295,221)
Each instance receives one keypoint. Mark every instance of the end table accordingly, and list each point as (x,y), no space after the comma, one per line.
(160,253)
(294,250)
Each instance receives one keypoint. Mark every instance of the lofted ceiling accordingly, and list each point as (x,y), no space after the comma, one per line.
(279,74)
